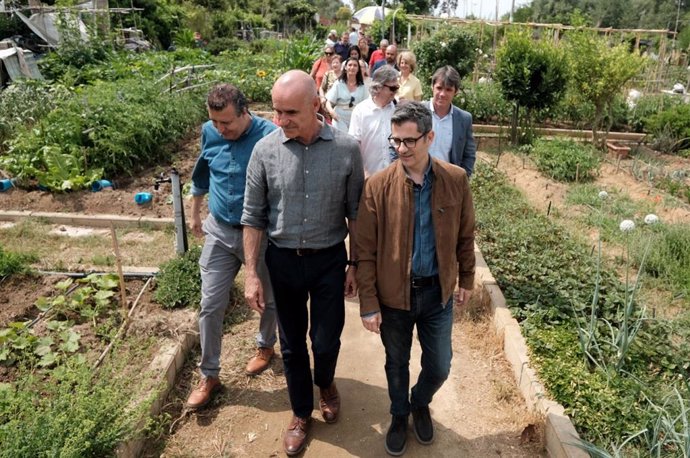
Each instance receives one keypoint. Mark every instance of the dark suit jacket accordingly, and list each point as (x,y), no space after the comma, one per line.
(463,151)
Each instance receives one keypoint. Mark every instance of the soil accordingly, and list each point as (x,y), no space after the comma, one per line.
(477,413)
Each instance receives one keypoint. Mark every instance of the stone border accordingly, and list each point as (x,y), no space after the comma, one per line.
(76,219)
(560,434)
(167,364)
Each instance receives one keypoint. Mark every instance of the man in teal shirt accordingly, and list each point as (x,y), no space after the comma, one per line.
(227,141)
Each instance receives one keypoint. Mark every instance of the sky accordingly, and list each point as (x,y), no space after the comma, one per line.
(486,9)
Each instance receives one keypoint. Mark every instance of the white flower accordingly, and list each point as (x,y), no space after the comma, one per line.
(627,225)
(603,195)
(444,44)
(651,219)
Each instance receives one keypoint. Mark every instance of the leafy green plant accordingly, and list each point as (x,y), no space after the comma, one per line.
(179,281)
(14,263)
(532,74)
(565,160)
(598,73)
(300,53)
(448,46)
(674,122)
(18,343)
(485,101)
(648,105)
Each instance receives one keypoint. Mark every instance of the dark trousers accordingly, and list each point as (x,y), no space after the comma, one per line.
(434,321)
(319,277)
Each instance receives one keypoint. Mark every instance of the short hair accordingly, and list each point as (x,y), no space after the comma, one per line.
(381,76)
(327,47)
(383,42)
(446,75)
(343,73)
(223,95)
(409,57)
(412,111)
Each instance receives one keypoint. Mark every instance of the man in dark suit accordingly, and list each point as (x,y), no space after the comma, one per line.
(453,141)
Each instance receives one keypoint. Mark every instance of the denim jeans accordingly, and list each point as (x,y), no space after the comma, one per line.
(320,279)
(434,321)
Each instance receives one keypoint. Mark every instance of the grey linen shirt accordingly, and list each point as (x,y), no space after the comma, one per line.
(302,193)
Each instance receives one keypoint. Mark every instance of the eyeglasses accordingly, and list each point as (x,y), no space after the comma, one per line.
(392,88)
(328,53)
(408,142)
(352,102)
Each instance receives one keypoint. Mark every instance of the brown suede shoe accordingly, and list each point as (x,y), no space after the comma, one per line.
(295,437)
(203,393)
(329,403)
(259,361)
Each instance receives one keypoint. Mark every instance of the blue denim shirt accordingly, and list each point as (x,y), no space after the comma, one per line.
(221,169)
(424,263)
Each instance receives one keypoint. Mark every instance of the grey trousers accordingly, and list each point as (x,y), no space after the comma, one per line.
(221,259)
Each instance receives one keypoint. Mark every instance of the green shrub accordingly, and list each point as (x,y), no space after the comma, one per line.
(565,160)
(485,101)
(112,128)
(448,46)
(179,281)
(300,53)
(71,413)
(218,45)
(648,105)
(675,122)
(14,263)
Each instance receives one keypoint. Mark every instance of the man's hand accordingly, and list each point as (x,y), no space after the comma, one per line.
(254,292)
(350,282)
(196,225)
(373,322)
(462,296)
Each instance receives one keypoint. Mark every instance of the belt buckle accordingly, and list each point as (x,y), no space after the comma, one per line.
(299,252)
(414,283)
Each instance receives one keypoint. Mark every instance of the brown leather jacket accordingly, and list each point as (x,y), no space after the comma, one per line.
(385,230)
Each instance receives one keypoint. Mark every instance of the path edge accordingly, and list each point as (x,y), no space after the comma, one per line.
(560,434)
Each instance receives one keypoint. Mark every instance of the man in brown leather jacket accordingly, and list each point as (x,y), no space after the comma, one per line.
(415,242)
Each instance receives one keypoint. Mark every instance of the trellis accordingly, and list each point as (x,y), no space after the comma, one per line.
(656,76)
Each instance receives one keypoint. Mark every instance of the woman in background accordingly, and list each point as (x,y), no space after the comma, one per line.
(347,92)
(327,83)
(410,87)
(356,53)
(322,65)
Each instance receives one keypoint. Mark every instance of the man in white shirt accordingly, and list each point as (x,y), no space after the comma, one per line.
(453,140)
(371,120)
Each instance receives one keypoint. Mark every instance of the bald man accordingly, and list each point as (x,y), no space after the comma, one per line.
(303,186)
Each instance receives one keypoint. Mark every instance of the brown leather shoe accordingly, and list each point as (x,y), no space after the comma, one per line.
(295,437)
(259,361)
(329,403)
(203,392)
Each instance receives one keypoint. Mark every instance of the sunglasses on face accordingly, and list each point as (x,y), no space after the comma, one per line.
(328,53)
(392,88)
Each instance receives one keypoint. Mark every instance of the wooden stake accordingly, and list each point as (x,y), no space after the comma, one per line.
(548,210)
(118,263)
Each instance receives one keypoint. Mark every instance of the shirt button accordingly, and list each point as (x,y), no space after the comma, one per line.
(305,220)
(307,172)
(307,196)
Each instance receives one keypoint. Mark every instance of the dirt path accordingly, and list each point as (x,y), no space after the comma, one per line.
(477,413)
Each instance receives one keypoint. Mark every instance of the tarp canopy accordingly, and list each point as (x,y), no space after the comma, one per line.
(45,26)
(19,63)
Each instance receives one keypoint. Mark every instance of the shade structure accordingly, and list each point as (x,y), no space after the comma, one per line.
(370,14)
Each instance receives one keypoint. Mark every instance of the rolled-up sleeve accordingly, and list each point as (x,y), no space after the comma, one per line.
(255,210)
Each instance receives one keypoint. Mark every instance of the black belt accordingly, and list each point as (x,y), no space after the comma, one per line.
(305,251)
(424,282)
(237,227)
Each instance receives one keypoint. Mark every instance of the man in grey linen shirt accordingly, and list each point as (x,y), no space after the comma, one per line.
(303,186)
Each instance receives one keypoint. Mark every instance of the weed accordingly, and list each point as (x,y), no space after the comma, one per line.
(179,281)
(566,160)
(14,263)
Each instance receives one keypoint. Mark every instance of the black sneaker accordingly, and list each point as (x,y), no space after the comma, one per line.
(423,426)
(396,438)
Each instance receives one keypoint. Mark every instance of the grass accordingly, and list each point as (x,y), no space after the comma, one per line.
(58,252)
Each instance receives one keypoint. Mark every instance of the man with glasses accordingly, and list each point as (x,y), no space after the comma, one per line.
(454,141)
(415,241)
(370,123)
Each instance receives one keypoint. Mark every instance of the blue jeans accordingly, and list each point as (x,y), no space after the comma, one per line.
(434,321)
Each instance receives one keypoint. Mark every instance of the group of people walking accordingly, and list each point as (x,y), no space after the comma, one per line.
(283,200)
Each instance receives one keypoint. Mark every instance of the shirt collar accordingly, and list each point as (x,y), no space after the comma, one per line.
(433,112)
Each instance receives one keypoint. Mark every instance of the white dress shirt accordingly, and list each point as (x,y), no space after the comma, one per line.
(443,134)
(371,126)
